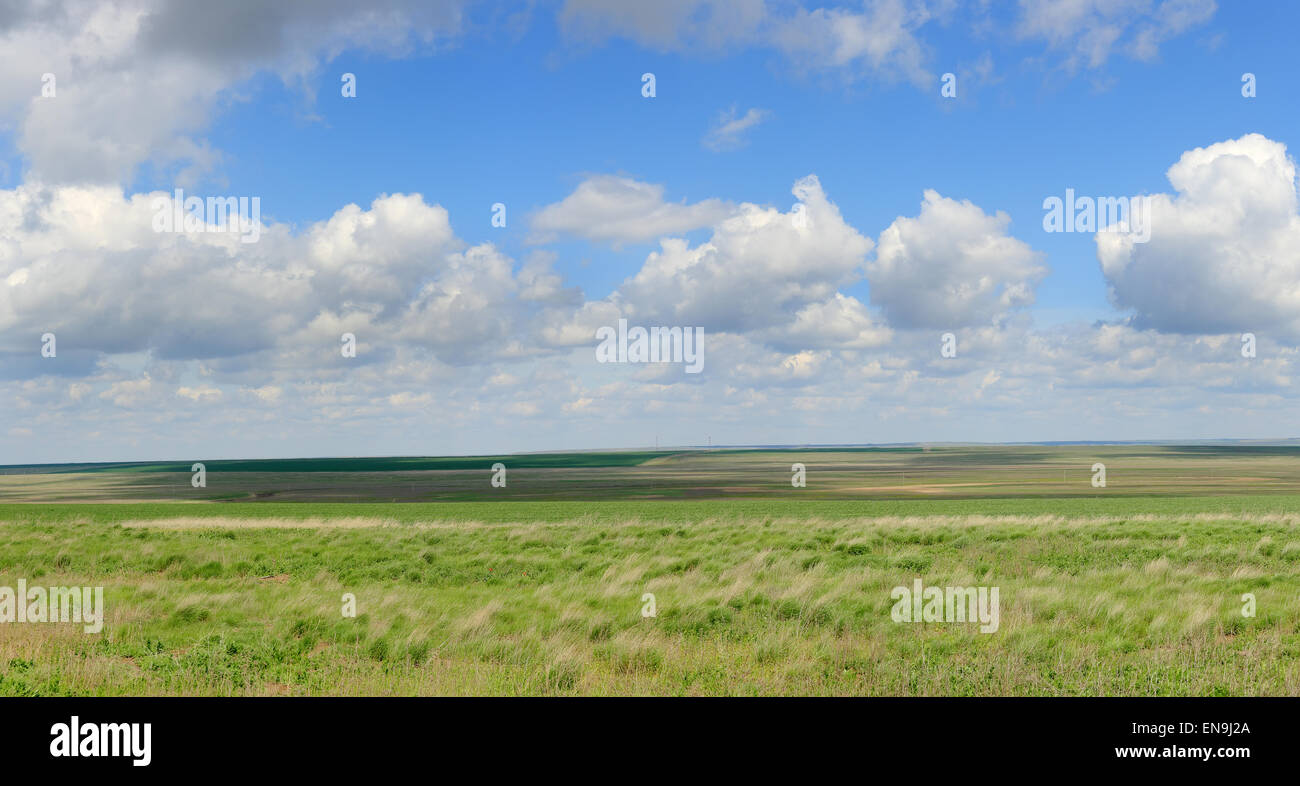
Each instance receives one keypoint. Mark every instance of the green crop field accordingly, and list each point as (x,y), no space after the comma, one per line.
(1181,576)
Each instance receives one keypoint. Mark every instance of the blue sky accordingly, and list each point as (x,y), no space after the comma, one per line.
(497,120)
(527,104)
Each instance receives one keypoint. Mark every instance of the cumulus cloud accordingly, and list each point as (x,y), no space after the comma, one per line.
(85,264)
(952,266)
(469,311)
(617,210)
(237,344)
(1224,252)
(840,321)
(757,269)
(197,343)
(138,80)
(772,275)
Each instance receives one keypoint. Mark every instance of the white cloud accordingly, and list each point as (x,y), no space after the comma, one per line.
(469,311)
(1090,31)
(137,80)
(199,393)
(463,349)
(269,394)
(394,271)
(756,271)
(1224,252)
(839,321)
(728,132)
(882,38)
(952,266)
(620,210)
(128,392)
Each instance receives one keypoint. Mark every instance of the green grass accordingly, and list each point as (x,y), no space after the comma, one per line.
(762,589)
(677,511)
(794,602)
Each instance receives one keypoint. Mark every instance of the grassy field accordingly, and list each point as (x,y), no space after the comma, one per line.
(1104,592)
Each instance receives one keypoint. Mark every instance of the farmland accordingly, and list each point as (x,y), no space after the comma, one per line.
(940,473)
(759,588)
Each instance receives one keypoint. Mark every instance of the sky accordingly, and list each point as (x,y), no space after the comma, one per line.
(850,201)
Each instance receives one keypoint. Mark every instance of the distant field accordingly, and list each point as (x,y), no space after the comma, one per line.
(536,589)
(839,474)
(380,464)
